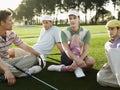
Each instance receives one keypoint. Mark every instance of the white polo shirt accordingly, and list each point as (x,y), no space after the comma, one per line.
(47,40)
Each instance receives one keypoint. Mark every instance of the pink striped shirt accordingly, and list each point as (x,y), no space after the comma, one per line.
(5,43)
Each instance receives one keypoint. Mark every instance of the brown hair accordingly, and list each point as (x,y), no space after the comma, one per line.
(4,14)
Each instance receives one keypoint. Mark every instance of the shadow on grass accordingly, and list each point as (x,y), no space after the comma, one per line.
(60,80)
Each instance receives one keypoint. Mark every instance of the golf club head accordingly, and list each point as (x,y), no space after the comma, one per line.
(42,61)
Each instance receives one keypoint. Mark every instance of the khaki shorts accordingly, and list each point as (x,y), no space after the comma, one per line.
(110,76)
(20,52)
(105,77)
(23,62)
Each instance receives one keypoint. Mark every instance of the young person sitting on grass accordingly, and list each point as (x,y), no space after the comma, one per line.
(75,42)
(109,75)
(7,70)
(48,38)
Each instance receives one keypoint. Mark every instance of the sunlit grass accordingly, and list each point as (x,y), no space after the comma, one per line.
(29,34)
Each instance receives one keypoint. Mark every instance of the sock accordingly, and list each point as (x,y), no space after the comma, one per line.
(65,69)
(75,50)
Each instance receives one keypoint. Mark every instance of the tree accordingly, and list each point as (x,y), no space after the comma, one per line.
(98,5)
(25,10)
(86,5)
(29,8)
(116,3)
(119,15)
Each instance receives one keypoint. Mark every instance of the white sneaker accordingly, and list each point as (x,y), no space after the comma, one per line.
(34,69)
(79,72)
(55,67)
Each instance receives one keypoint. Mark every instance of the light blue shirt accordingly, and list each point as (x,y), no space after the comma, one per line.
(47,40)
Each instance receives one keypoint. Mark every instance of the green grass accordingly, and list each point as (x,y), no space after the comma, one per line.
(63,80)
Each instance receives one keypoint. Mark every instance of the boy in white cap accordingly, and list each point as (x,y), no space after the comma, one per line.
(48,38)
(109,75)
(75,41)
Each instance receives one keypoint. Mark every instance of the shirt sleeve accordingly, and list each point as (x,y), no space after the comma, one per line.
(17,41)
(63,37)
(107,46)
(56,35)
(87,38)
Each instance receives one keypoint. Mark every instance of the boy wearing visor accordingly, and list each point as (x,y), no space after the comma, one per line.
(75,42)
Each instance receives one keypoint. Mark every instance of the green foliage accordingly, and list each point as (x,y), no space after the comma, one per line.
(30,8)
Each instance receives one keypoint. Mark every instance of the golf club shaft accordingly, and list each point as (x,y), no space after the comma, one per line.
(43,82)
(36,78)
(54,54)
(54,59)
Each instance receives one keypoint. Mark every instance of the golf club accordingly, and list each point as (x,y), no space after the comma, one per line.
(54,59)
(42,64)
(54,54)
(36,78)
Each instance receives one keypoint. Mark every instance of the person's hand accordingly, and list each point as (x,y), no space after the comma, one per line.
(10,78)
(80,63)
(73,66)
(105,65)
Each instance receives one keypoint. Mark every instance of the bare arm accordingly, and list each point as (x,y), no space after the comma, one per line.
(79,60)
(10,77)
(59,46)
(28,49)
(85,51)
(68,51)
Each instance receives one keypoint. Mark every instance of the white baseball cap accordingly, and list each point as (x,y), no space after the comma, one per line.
(73,12)
(47,17)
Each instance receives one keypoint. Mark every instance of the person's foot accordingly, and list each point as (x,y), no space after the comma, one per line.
(79,73)
(55,67)
(2,77)
(34,69)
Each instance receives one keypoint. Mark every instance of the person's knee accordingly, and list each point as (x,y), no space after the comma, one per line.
(75,39)
(100,79)
(90,62)
(11,53)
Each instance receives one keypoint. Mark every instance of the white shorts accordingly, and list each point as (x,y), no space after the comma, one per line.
(105,77)
(110,76)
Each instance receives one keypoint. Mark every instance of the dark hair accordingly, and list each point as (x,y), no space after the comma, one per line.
(4,14)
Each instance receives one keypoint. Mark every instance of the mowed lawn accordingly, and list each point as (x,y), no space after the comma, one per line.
(63,80)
